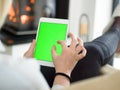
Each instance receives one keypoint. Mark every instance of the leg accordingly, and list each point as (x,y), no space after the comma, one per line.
(99,52)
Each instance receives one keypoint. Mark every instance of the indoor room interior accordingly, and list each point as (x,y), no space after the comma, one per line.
(88,19)
(96,17)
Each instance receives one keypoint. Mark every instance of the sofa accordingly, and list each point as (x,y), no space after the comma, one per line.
(108,80)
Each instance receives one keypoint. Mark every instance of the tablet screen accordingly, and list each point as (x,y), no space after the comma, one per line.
(48,35)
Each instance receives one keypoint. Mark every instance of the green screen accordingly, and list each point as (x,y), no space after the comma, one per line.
(48,35)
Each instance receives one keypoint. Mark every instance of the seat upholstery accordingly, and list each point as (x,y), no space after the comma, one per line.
(108,80)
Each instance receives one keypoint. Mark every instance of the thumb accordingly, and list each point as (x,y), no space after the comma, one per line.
(32,46)
(54,54)
(30,51)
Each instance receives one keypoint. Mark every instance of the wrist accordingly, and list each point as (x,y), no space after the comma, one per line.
(63,75)
(61,80)
(65,72)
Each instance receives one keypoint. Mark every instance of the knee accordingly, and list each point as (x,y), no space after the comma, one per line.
(93,49)
(94,52)
(98,51)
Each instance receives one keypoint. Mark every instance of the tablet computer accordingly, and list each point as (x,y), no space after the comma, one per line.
(50,30)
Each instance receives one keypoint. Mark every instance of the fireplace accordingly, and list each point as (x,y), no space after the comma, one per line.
(21,22)
(20,17)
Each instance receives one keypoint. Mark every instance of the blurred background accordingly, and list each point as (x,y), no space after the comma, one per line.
(88,19)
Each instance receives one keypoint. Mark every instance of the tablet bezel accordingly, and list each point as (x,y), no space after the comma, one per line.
(51,20)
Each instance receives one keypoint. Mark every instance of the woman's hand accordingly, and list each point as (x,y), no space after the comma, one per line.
(65,62)
(69,57)
(30,51)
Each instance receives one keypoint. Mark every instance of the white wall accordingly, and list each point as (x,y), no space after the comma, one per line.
(102,15)
(99,12)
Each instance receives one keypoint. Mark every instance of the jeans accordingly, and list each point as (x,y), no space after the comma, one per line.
(99,52)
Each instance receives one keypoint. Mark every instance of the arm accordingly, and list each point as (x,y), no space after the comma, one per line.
(69,57)
(65,62)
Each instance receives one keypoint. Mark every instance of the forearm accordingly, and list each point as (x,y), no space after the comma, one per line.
(67,60)
(60,82)
(57,87)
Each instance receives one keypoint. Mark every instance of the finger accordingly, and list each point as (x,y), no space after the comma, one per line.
(54,54)
(30,51)
(62,43)
(80,41)
(73,42)
(82,54)
(79,48)
(32,46)
(79,45)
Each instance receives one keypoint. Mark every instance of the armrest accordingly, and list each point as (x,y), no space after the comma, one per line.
(107,69)
(110,80)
